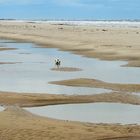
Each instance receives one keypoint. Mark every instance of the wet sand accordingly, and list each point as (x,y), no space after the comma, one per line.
(5,63)
(66,69)
(6,49)
(83,82)
(90,41)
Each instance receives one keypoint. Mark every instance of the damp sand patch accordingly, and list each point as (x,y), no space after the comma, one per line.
(7,49)
(66,69)
(8,63)
(25,53)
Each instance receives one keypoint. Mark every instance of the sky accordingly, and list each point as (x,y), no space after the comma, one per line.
(70,9)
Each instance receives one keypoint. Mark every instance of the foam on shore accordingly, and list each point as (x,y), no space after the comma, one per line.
(98,23)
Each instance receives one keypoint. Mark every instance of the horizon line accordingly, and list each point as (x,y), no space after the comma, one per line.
(52,19)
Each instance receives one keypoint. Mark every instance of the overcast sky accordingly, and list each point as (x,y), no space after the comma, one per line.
(70,9)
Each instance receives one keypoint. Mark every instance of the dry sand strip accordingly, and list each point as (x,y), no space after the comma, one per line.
(110,43)
(31,100)
(122,138)
(83,82)
(18,124)
(7,63)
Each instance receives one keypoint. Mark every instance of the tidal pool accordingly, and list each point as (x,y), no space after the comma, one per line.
(92,112)
(1,108)
(33,70)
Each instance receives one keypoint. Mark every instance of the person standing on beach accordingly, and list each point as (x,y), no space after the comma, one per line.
(57,62)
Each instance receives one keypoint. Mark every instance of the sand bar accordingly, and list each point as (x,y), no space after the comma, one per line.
(83,82)
(6,49)
(66,69)
(30,100)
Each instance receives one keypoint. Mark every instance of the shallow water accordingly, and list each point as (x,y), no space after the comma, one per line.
(1,108)
(33,72)
(93,112)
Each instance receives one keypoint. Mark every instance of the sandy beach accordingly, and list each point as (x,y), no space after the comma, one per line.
(106,43)
(20,124)
(109,43)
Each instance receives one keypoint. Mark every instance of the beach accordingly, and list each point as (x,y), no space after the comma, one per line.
(105,42)
(109,43)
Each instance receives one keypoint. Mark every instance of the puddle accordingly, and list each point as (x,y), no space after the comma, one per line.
(75,90)
(136,93)
(1,108)
(93,112)
(33,72)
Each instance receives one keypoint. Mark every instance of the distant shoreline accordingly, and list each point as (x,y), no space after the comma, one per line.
(120,20)
(105,23)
